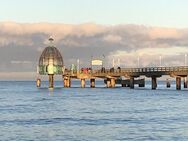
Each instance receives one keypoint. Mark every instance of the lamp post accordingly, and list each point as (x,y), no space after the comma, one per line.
(113,63)
(160,60)
(91,62)
(103,61)
(119,62)
(78,66)
(138,61)
(185,59)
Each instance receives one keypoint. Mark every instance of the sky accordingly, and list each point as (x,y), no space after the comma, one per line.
(168,13)
(123,30)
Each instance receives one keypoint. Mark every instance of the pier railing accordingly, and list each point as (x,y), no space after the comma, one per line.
(156,69)
(133,71)
(144,70)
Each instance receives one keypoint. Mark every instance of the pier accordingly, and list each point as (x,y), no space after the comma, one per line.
(111,78)
(51,63)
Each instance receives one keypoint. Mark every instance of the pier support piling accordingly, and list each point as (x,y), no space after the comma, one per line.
(123,85)
(154,83)
(108,83)
(67,82)
(51,81)
(178,83)
(38,82)
(132,82)
(92,83)
(185,82)
(113,82)
(168,83)
(141,85)
(83,83)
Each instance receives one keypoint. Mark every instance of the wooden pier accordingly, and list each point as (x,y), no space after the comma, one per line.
(112,76)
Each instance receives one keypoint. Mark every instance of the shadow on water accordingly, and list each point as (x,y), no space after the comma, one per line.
(105,88)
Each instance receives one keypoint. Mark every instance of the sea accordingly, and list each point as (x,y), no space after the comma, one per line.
(28,113)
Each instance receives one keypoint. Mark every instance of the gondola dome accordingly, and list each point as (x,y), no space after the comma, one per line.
(51,60)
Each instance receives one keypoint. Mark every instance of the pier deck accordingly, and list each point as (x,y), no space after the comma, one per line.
(111,75)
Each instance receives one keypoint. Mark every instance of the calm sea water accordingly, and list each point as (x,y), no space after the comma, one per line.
(99,114)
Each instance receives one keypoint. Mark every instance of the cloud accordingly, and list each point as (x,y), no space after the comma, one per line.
(165,33)
(22,43)
(112,38)
(21,62)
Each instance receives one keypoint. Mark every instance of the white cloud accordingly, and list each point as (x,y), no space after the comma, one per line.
(112,38)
